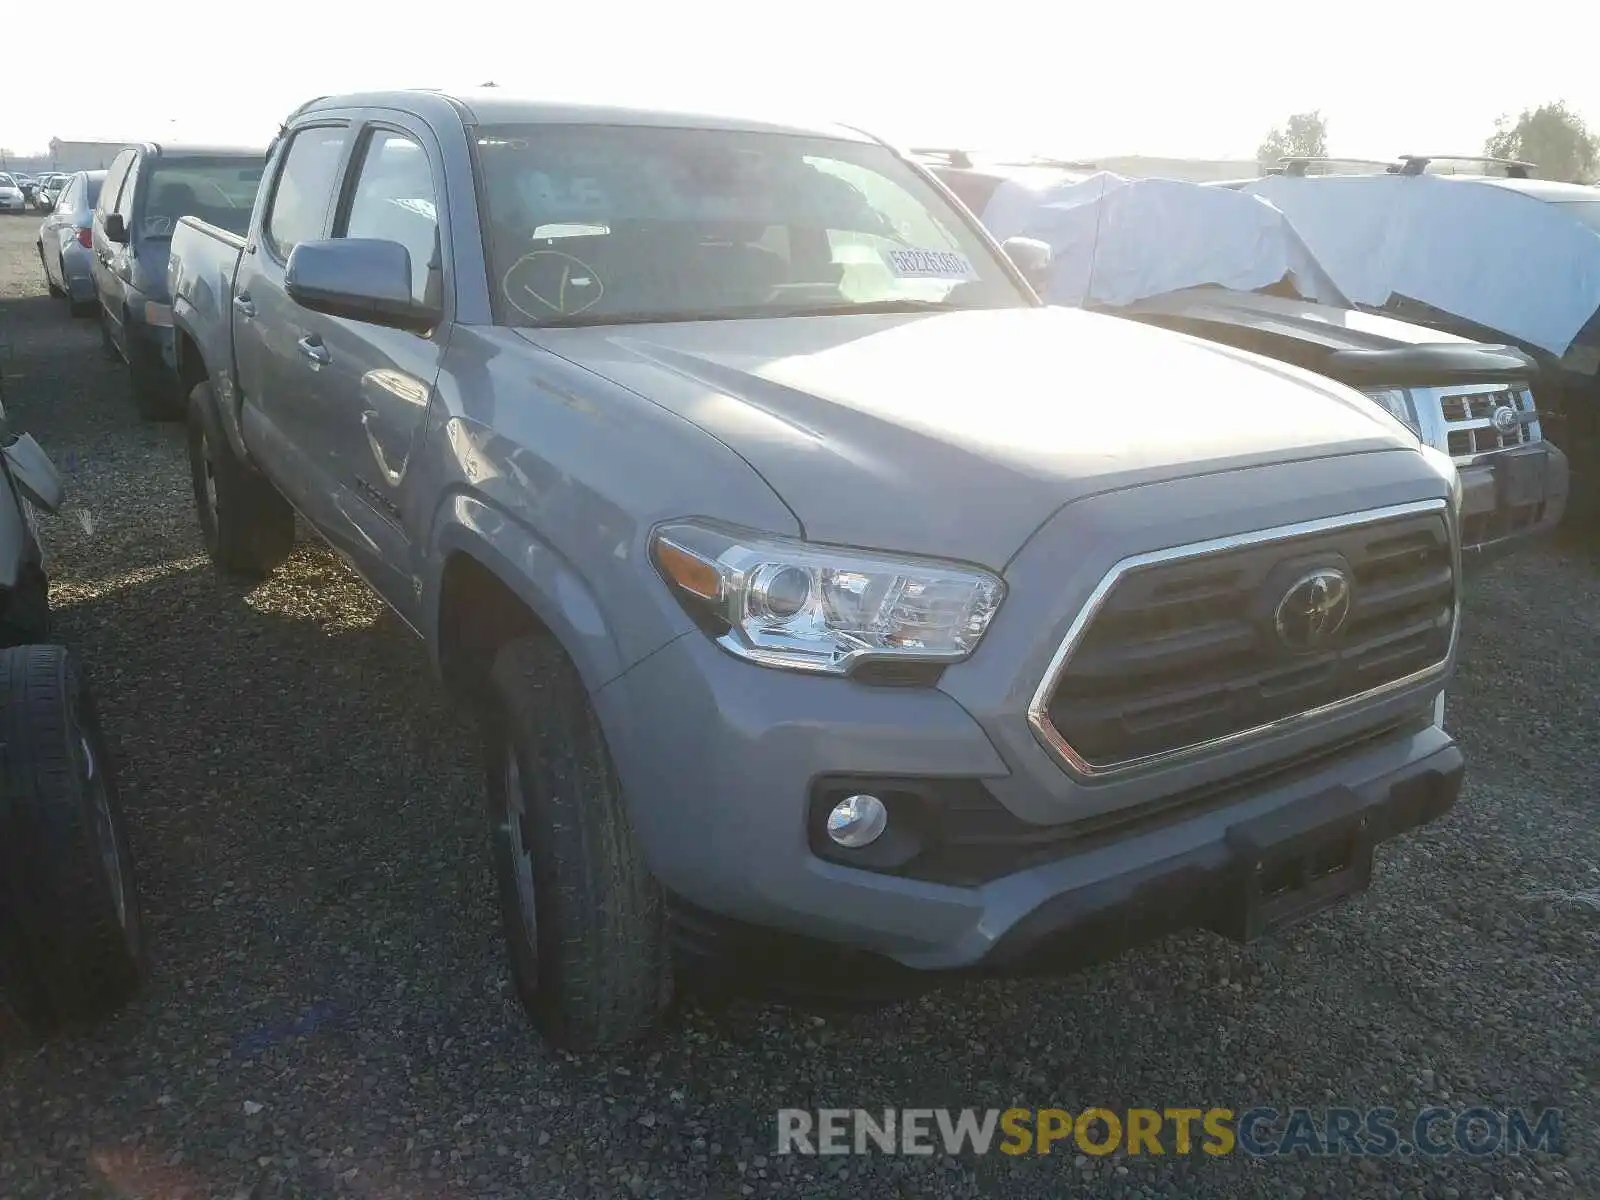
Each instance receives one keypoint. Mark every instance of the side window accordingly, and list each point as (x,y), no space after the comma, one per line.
(68,200)
(305,186)
(394,199)
(113,182)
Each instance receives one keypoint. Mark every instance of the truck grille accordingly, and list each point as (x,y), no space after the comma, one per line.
(1183,649)
(1469,420)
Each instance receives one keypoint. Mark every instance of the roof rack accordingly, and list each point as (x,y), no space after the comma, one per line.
(956,158)
(1416,164)
(1297,165)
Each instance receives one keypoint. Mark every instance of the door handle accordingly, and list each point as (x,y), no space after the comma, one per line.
(245,305)
(315,352)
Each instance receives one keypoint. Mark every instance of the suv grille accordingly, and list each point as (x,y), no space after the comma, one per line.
(1184,648)
(1469,420)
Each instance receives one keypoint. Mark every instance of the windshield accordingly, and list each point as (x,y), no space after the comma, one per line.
(7,181)
(590,224)
(221,191)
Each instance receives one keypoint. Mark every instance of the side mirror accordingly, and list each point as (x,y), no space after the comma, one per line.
(364,279)
(35,475)
(1030,256)
(116,229)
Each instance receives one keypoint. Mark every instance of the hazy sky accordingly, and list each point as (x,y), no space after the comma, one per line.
(1194,80)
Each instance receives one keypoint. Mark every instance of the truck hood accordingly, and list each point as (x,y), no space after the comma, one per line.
(958,434)
(1360,348)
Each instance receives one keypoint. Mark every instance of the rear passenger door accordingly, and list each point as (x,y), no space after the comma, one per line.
(283,405)
(379,381)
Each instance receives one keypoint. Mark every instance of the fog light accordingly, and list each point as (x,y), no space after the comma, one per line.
(857,821)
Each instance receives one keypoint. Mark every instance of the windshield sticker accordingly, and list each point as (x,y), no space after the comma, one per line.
(550,283)
(929,264)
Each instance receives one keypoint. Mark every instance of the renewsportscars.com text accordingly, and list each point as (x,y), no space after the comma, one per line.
(1258,1132)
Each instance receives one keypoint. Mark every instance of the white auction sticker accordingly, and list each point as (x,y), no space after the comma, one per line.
(930,264)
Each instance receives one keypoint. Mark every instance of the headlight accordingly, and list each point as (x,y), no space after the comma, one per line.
(1398,402)
(804,607)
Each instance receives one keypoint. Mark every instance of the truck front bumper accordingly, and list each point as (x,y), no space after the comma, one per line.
(1510,496)
(726,763)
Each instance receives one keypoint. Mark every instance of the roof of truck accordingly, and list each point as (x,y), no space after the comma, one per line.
(1550,191)
(497,106)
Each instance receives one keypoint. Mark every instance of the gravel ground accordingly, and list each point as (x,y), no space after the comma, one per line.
(329,1011)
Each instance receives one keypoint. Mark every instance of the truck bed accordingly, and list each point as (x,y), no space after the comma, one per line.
(200,268)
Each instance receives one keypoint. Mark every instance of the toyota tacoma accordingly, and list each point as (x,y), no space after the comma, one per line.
(818,587)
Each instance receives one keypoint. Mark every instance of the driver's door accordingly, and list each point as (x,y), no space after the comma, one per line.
(379,381)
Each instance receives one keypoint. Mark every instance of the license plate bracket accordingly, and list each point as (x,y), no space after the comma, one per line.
(1522,476)
(1296,862)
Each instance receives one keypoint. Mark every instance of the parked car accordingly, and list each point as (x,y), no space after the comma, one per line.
(824,595)
(12,197)
(1489,256)
(147,188)
(49,190)
(71,938)
(66,243)
(1224,266)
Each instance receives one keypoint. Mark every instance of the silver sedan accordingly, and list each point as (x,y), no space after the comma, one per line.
(65,250)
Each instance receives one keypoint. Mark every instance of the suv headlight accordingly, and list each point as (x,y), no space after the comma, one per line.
(1398,402)
(805,607)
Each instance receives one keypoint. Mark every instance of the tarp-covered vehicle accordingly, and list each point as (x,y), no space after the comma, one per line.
(1225,265)
(1512,260)
(71,939)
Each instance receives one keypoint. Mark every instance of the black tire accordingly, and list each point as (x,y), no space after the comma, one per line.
(48,282)
(155,391)
(247,525)
(107,346)
(26,617)
(71,936)
(593,971)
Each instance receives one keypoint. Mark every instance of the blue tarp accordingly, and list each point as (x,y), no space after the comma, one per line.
(1117,240)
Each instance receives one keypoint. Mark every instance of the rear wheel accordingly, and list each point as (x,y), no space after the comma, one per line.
(71,938)
(155,392)
(45,267)
(247,525)
(583,917)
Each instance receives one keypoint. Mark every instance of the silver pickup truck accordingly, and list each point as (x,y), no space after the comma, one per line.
(827,600)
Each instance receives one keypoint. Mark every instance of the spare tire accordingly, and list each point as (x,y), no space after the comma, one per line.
(71,938)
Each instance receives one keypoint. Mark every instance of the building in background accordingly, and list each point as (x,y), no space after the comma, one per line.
(82,156)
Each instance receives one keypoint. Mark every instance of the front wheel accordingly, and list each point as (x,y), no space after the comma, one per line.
(583,916)
(247,525)
(71,938)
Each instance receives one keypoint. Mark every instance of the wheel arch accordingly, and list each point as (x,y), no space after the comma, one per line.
(495,580)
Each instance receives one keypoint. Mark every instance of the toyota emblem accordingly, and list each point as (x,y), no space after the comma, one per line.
(1504,418)
(1313,609)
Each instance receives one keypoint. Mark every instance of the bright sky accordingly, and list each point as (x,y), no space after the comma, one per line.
(1192,80)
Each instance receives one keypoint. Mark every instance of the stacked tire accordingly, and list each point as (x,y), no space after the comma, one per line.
(71,938)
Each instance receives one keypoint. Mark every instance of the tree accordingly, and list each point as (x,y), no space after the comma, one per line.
(1305,135)
(1553,138)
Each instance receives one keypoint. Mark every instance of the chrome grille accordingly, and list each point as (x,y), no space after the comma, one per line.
(1177,652)
(1468,415)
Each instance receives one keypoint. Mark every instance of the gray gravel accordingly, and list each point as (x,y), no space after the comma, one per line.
(329,1011)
